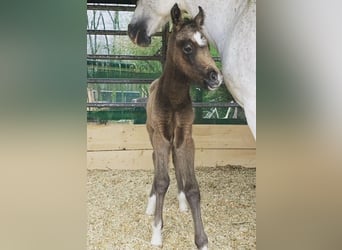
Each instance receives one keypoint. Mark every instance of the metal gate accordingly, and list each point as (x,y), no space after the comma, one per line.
(118,76)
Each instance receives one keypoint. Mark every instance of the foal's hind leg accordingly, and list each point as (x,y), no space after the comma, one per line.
(160,185)
(184,162)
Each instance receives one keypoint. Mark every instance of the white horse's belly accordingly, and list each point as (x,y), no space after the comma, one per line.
(239,65)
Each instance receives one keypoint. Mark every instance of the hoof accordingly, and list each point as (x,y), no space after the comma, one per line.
(156,236)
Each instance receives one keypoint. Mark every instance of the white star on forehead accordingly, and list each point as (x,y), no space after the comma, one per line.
(200,39)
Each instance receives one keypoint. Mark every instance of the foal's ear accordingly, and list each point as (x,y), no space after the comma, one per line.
(199,18)
(176,14)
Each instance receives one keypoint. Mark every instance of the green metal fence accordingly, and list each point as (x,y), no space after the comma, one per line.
(119,73)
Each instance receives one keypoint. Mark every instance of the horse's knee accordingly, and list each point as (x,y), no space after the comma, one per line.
(162,184)
(193,194)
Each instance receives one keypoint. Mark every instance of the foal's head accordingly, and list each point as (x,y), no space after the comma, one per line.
(189,50)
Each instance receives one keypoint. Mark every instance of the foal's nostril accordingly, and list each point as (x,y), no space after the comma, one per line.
(213,76)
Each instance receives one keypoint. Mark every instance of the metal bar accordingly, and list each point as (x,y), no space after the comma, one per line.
(116,105)
(119,80)
(124,57)
(110,7)
(143,104)
(164,43)
(133,2)
(215,104)
(113,32)
(130,57)
(107,32)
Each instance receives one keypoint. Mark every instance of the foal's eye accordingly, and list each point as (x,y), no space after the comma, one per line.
(187,49)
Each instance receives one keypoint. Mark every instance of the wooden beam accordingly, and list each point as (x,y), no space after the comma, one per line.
(142,159)
(128,137)
(117,146)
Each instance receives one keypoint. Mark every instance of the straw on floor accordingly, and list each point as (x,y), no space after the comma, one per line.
(117,201)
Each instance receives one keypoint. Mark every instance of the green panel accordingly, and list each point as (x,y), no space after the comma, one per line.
(139,69)
(138,116)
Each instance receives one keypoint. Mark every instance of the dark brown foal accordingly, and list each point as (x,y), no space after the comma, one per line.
(170,117)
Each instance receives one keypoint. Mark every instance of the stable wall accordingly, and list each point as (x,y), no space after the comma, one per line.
(127,146)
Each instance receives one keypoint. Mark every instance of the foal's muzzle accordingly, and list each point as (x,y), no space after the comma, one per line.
(137,33)
(214,80)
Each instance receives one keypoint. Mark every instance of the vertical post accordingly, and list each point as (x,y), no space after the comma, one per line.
(165,37)
(198,110)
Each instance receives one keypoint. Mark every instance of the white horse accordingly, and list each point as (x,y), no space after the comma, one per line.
(230,25)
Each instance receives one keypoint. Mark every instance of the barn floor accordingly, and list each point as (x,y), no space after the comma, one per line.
(117,200)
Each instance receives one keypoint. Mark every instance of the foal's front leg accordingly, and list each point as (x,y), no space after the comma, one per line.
(161,150)
(183,206)
(183,158)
